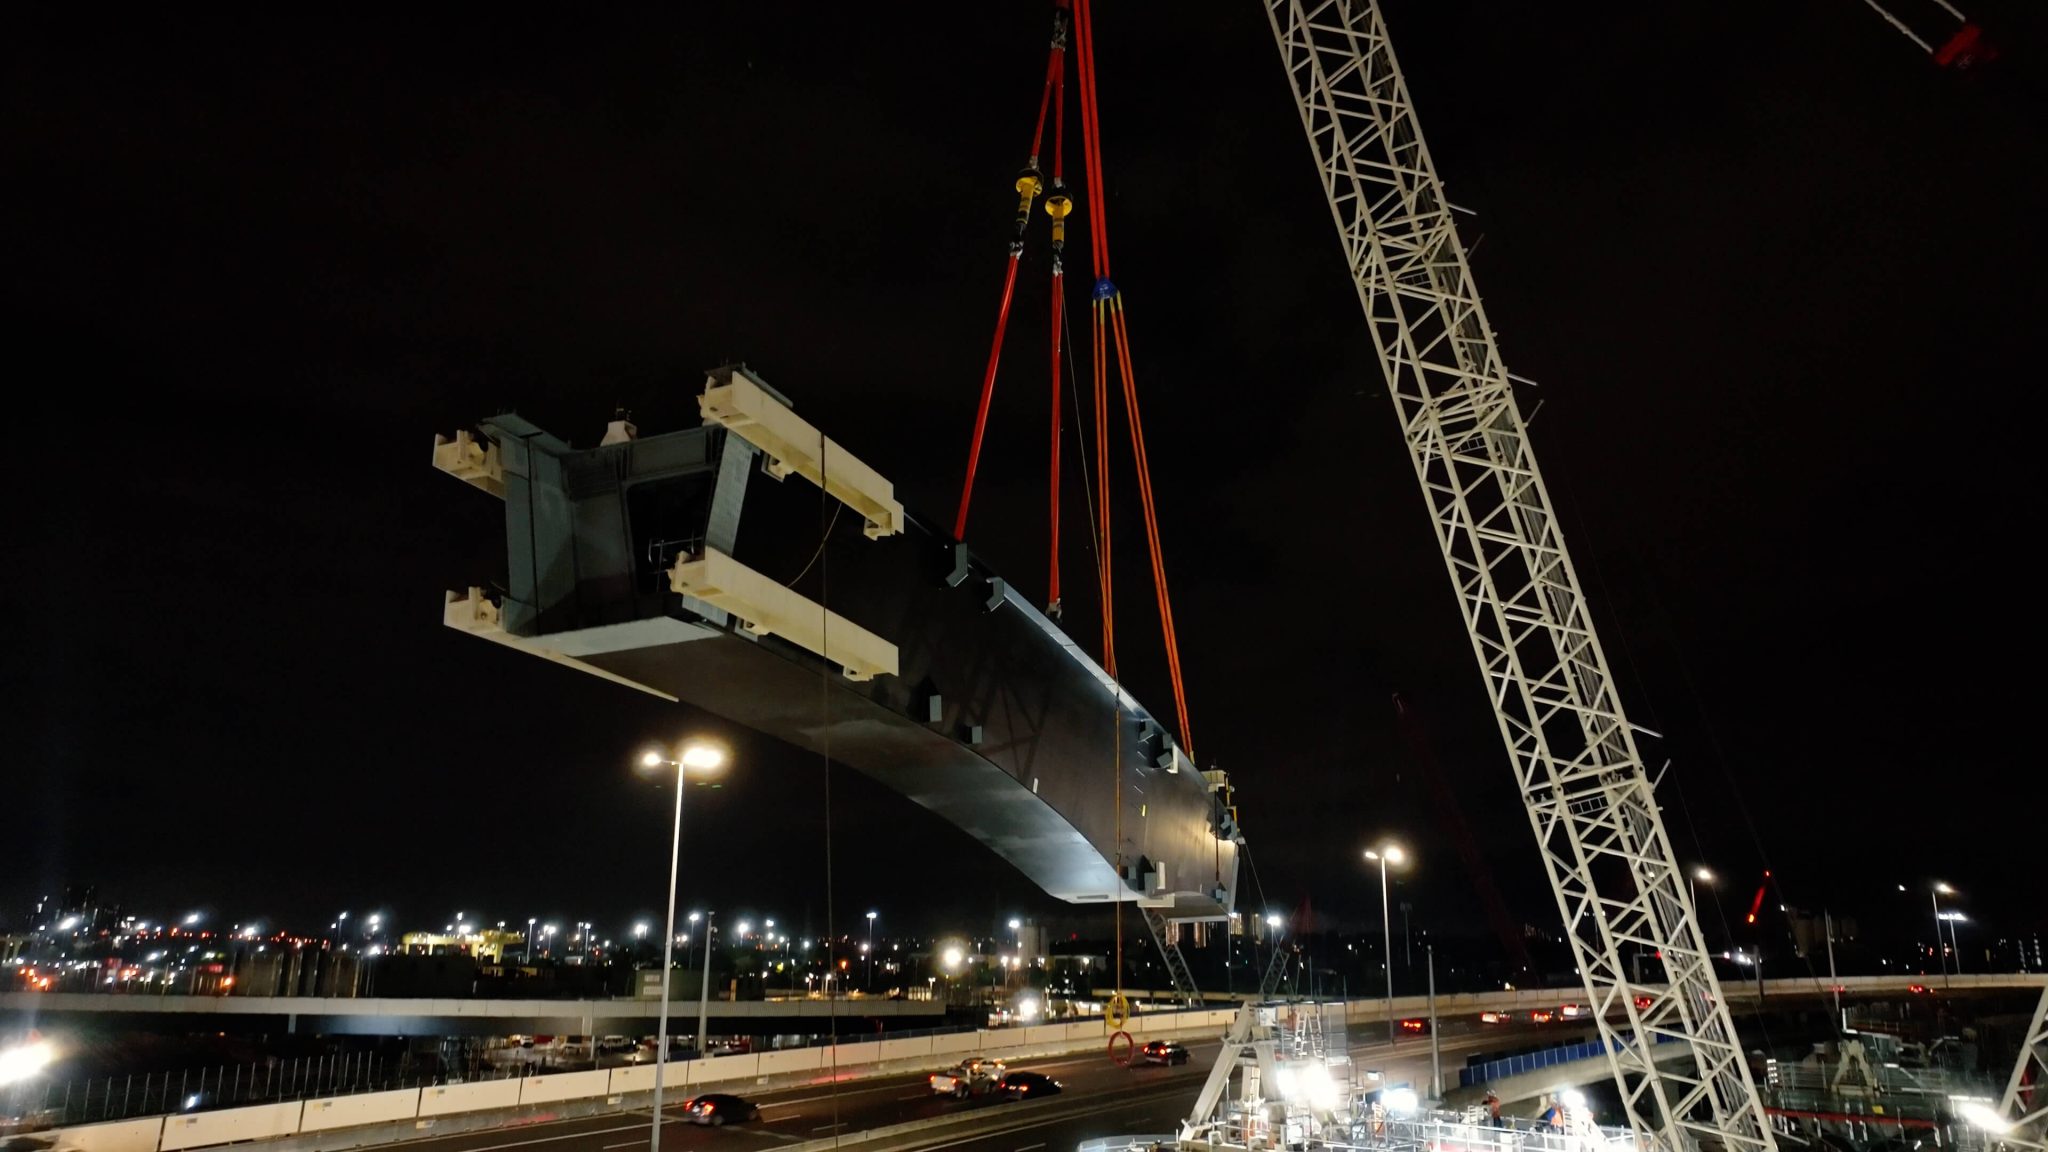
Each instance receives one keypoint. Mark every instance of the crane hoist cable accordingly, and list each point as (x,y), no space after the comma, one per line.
(1029,183)
(1058,205)
(1111,328)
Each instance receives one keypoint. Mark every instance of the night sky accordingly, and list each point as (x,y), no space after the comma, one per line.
(1778,277)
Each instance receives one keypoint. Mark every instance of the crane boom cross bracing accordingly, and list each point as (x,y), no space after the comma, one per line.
(1589,800)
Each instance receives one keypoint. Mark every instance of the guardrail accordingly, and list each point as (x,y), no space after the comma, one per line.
(181,1131)
(1475,1075)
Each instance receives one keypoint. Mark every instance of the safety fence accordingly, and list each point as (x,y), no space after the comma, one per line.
(1490,1071)
(102,1098)
(183,1130)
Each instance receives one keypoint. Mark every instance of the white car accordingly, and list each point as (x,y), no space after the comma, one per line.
(975,1077)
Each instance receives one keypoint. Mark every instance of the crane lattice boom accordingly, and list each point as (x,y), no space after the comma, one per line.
(1602,840)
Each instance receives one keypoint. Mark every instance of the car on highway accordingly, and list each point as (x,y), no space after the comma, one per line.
(1573,1011)
(40,1141)
(1542,1016)
(719,1109)
(976,1077)
(1165,1052)
(614,1044)
(1023,1085)
(1415,1026)
(1496,1017)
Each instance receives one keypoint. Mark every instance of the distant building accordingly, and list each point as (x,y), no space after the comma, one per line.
(1811,931)
(484,944)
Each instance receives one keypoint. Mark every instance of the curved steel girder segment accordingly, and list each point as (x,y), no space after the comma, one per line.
(980,710)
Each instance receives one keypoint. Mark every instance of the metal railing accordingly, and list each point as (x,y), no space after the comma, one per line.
(1475,1075)
(1448,1132)
(121,1097)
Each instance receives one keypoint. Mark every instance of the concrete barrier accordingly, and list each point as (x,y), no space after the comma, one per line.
(564,1086)
(448,1099)
(914,1048)
(794,1060)
(724,1069)
(367,1108)
(119,1136)
(1045,1034)
(229,1125)
(854,1055)
(640,1078)
(955,1043)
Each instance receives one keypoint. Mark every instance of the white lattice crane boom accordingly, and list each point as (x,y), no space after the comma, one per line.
(1574,754)
(2025,1105)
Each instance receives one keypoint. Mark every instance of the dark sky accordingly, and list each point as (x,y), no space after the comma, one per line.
(1778,278)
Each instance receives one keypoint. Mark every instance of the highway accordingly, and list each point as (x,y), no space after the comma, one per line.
(1100,1098)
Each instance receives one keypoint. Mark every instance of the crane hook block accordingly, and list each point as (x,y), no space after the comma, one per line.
(1029,182)
(1058,205)
(1104,289)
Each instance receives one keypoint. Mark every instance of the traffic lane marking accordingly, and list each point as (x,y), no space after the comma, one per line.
(1064,1118)
(547,1139)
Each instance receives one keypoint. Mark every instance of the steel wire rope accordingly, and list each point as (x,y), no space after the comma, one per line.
(1098,255)
(1620,631)
(825,747)
(826,535)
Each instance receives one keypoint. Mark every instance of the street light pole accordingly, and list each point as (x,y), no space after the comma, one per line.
(706,757)
(1391,854)
(668,949)
(1387,934)
(871,951)
(1436,1054)
(1934,895)
(704,984)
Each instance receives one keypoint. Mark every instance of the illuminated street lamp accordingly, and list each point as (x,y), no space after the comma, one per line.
(1940,890)
(529,939)
(1385,855)
(700,757)
(1699,876)
(870,950)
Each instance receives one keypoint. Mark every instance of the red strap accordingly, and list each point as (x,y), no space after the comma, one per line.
(988,391)
(1053,71)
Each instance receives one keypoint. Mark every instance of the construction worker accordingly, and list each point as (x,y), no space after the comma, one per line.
(1493,1109)
(1553,1116)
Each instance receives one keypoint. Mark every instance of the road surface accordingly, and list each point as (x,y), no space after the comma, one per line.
(1100,1099)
